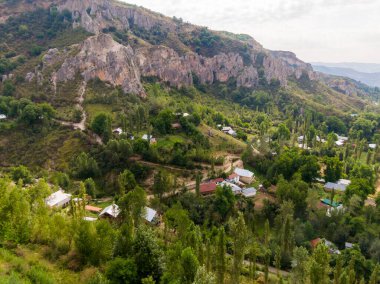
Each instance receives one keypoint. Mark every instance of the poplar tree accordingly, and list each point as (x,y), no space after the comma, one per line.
(197,183)
(221,256)
(239,235)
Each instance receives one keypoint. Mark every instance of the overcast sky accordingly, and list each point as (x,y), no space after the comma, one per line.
(316,30)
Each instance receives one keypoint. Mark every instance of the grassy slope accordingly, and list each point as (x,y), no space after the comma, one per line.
(27,265)
(53,150)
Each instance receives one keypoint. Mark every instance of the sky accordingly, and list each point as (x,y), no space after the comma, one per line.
(316,30)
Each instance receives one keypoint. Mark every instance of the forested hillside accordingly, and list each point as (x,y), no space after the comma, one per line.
(136,148)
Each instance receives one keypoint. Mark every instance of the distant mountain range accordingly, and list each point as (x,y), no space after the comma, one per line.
(368,73)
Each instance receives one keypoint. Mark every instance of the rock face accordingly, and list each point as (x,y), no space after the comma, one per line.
(95,15)
(100,56)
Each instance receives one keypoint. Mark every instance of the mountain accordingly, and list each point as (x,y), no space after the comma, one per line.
(124,45)
(371,79)
(360,67)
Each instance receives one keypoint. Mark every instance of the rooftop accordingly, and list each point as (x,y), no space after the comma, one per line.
(149,214)
(111,210)
(93,208)
(208,187)
(249,192)
(243,172)
(57,198)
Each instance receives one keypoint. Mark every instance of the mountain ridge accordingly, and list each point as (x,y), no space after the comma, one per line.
(371,79)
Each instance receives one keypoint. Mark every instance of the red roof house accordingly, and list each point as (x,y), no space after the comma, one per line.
(208,188)
(314,243)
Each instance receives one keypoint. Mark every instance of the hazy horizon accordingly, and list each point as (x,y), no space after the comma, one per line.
(333,31)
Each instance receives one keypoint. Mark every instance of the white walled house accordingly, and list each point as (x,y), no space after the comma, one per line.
(245,176)
(111,211)
(58,199)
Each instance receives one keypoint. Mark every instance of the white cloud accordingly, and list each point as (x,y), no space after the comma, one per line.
(317,30)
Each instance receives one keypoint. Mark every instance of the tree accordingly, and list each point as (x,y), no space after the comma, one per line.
(221,256)
(364,128)
(310,168)
(335,124)
(162,183)
(189,264)
(21,173)
(338,270)
(85,166)
(319,265)
(224,201)
(359,186)
(295,191)
(101,125)
(132,205)
(126,181)
(204,277)
(148,255)
(363,171)
(121,270)
(375,275)
(197,183)
(239,236)
(90,186)
(8,88)
(300,265)
(163,121)
(283,132)
(333,170)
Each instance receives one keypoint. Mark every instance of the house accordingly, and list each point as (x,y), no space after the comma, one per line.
(150,215)
(207,188)
(232,132)
(233,178)
(58,199)
(235,189)
(118,131)
(249,192)
(314,243)
(329,186)
(225,129)
(176,125)
(332,248)
(3,116)
(93,209)
(217,180)
(90,219)
(111,211)
(337,209)
(149,138)
(372,146)
(303,146)
(320,180)
(345,182)
(245,176)
(300,139)
(348,245)
(332,204)
(342,138)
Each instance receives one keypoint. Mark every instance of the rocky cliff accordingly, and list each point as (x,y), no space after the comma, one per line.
(123,63)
